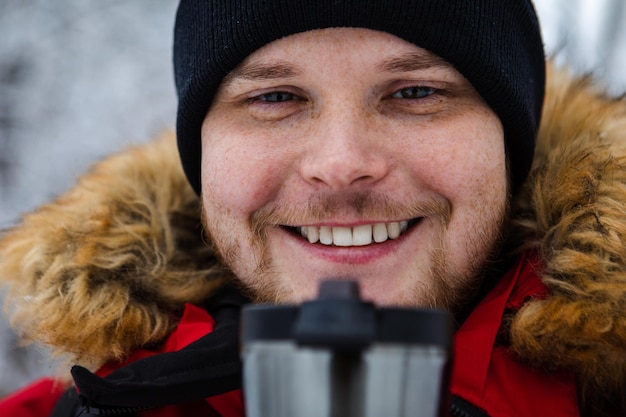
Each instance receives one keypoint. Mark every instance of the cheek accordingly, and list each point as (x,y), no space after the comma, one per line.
(487,161)
(237,176)
(471,165)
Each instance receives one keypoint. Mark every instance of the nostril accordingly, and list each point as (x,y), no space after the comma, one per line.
(337,173)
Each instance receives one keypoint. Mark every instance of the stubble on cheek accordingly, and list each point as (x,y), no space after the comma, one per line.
(440,286)
(454,287)
(270,285)
(251,265)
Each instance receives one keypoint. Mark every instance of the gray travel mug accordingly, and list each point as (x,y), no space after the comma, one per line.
(338,356)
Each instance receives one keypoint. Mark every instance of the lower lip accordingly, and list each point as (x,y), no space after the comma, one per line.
(354,255)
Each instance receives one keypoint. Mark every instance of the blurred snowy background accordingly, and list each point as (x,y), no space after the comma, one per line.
(80,79)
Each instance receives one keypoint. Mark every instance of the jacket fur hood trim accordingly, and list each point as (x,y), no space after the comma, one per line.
(574,211)
(108,266)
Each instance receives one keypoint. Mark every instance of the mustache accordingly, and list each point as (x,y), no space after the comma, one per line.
(321,207)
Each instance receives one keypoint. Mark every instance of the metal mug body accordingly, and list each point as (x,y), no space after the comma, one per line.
(285,380)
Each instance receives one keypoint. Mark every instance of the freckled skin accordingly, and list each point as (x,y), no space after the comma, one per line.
(336,135)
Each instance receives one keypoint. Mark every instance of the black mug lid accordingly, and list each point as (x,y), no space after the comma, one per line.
(339,320)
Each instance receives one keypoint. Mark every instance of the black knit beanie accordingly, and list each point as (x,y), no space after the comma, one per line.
(495,44)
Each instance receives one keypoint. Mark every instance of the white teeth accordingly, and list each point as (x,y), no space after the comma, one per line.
(354,236)
(380,232)
(342,236)
(362,235)
(326,235)
(393,230)
(311,233)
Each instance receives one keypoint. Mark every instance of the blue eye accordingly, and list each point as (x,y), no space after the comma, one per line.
(277,97)
(414,92)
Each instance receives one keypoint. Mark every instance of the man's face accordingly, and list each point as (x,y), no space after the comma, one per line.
(350,153)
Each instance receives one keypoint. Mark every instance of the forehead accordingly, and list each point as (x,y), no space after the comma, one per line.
(289,56)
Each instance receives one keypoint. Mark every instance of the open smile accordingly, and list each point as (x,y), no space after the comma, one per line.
(361,235)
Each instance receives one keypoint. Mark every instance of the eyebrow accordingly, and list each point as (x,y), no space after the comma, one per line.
(263,72)
(413,61)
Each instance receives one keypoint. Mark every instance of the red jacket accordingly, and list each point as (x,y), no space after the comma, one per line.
(484,373)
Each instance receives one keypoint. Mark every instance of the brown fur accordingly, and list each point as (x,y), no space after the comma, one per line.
(108,266)
(575,207)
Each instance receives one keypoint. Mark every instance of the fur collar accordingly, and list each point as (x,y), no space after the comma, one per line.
(107,266)
(574,211)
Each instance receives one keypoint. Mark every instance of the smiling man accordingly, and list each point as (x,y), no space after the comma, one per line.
(388,143)
(347,132)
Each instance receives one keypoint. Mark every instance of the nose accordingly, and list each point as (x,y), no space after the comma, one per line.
(345,150)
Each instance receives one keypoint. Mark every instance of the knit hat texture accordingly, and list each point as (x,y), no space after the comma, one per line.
(495,44)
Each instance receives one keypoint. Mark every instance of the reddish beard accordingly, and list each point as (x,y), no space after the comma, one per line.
(444,288)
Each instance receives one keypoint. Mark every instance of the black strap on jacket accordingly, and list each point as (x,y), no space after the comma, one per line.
(210,366)
(207,367)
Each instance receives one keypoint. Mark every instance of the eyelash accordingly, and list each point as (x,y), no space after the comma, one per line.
(422,92)
(282,97)
(279,97)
